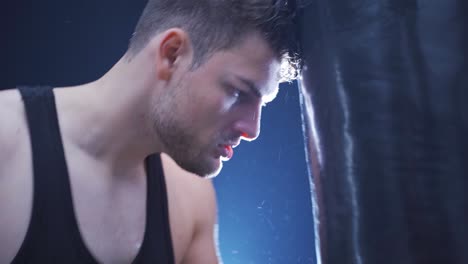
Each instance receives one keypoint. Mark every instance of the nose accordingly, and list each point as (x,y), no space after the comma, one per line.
(248,123)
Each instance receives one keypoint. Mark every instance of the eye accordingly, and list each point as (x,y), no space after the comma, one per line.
(235,92)
(237,95)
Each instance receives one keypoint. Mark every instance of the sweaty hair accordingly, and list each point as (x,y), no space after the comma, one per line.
(215,25)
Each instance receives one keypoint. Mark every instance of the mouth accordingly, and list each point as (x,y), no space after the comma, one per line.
(225,151)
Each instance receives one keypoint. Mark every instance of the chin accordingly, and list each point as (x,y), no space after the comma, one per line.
(205,167)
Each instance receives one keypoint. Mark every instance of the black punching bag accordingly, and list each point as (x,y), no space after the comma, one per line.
(385,103)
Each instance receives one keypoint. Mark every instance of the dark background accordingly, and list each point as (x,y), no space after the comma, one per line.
(265,213)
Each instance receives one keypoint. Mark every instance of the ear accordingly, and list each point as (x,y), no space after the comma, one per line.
(173,49)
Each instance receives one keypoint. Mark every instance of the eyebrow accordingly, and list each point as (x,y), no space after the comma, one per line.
(252,87)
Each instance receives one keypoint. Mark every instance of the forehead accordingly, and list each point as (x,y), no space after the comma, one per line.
(253,60)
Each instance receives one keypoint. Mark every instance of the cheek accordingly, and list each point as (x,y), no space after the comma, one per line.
(208,120)
(206,105)
(210,107)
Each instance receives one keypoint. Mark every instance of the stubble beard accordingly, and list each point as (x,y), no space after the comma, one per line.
(180,142)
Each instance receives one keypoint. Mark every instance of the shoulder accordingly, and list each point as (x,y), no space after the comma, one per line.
(192,189)
(190,183)
(11,108)
(13,124)
(15,183)
(194,201)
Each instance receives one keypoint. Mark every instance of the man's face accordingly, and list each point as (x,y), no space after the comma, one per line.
(210,109)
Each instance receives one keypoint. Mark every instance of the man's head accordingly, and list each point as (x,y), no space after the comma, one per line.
(216,63)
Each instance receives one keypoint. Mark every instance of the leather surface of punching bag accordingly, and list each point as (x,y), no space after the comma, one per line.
(385,103)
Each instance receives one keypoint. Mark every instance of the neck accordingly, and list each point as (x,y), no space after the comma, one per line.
(109,118)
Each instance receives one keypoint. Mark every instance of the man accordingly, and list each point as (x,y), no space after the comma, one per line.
(108,171)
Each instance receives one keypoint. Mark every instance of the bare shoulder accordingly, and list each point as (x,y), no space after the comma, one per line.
(12,120)
(13,138)
(192,210)
(15,175)
(191,184)
(195,190)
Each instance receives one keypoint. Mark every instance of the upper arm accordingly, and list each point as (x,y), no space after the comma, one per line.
(203,247)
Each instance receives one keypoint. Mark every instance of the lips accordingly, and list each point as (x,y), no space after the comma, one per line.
(226,151)
(230,151)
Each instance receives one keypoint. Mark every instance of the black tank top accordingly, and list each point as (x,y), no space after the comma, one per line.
(53,235)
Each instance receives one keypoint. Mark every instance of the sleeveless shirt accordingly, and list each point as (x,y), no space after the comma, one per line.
(53,235)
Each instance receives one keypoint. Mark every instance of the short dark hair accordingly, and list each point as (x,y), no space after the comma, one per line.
(215,25)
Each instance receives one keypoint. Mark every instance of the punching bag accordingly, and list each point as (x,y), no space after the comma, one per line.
(384,92)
